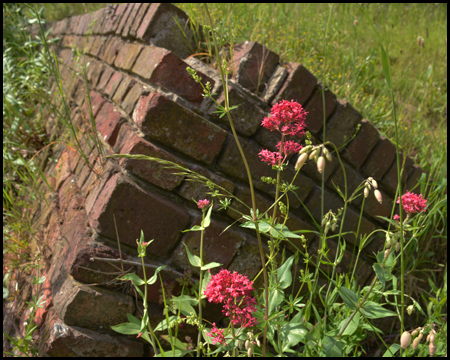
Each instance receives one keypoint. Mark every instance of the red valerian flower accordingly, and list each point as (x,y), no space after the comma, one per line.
(287,117)
(270,157)
(289,147)
(202,203)
(234,291)
(217,335)
(413,203)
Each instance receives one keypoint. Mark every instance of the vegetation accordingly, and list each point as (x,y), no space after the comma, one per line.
(398,81)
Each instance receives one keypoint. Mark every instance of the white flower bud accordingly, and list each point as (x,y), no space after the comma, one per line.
(301,161)
(374,183)
(405,340)
(247,344)
(327,154)
(378,196)
(432,348)
(366,192)
(305,149)
(250,352)
(416,343)
(386,253)
(313,154)
(321,164)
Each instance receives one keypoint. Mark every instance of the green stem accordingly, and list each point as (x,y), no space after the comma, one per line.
(199,337)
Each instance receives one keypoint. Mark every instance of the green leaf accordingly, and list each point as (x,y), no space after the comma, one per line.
(284,274)
(349,297)
(291,334)
(392,350)
(137,281)
(185,303)
(207,220)
(133,319)
(275,298)
(194,228)
(193,259)
(373,310)
(331,347)
(153,279)
(163,324)
(352,326)
(211,265)
(205,282)
(127,328)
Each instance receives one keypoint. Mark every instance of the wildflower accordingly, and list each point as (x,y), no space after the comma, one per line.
(289,147)
(217,335)
(270,157)
(378,196)
(202,203)
(320,164)
(301,161)
(396,217)
(234,291)
(286,117)
(413,203)
(405,340)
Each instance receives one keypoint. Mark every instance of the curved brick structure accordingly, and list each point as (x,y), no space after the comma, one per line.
(144,102)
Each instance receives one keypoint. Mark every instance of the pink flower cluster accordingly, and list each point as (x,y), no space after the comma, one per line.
(233,290)
(202,203)
(217,335)
(413,203)
(287,117)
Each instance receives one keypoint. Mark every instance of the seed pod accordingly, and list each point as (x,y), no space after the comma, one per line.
(432,337)
(240,343)
(321,164)
(247,344)
(327,154)
(250,352)
(333,226)
(312,154)
(366,192)
(386,253)
(414,333)
(301,161)
(305,149)
(397,247)
(378,196)
(258,342)
(405,340)
(432,349)
(374,183)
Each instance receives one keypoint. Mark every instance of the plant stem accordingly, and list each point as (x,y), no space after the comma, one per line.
(199,337)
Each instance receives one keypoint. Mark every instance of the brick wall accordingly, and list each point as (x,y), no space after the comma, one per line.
(144,102)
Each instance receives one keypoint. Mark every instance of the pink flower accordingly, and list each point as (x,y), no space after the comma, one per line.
(217,335)
(396,217)
(289,147)
(413,203)
(286,117)
(202,203)
(234,291)
(270,157)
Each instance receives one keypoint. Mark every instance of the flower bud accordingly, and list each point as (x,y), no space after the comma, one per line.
(405,340)
(432,349)
(247,344)
(386,253)
(327,154)
(301,161)
(305,149)
(378,196)
(258,342)
(397,247)
(240,343)
(416,343)
(432,337)
(366,192)
(313,154)
(321,164)
(250,352)
(374,183)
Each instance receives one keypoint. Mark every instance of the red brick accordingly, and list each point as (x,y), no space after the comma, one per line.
(342,125)
(110,20)
(104,79)
(127,56)
(131,19)
(108,121)
(112,49)
(248,259)
(217,246)
(354,180)
(162,67)
(314,119)
(129,103)
(380,159)
(98,18)
(253,64)
(236,209)
(137,210)
(138,19)
(164,120)
(113,84)
(310,169)
(390,179)
(360,147)
(246,118)
(120,10)
(125,86)
(97,45)
(83,24)
(414,177)
(159,28)
(94,72)
(97,101)
(124,18)
(150,171)
(96,182)
(298,86)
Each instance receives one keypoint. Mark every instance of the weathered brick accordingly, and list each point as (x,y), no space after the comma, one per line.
(113,84)
(137,210)
(132,97)
(104,79)
(124,18)
(83,24)
(314,119)
(97,21)
(246,118)
(63,340)
(97,101)
(298,86)
(236,209)
(158,27)
(138,19)
(375,209)
(390,179)
(131,19)
(164,120)
(108,121)
(310,169)
(162,67)
(94,72)
(127,56)
(150,171)
(97,45)
(380,159)
(342,125)
(354,180)
(218,246)
(96,181)
(274,84)
(120,10)
(112,49)
(125,86)
(414,177)
(110,21)
(359,148)
(253,65)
